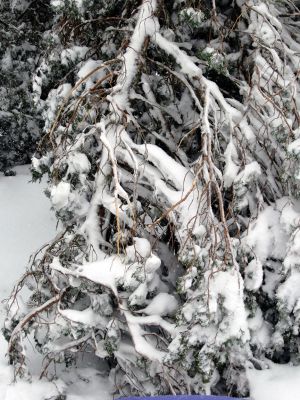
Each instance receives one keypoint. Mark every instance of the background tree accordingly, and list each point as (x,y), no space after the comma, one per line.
(172,150)
(22,25)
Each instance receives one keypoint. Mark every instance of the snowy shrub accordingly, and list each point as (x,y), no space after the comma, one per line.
(171,146)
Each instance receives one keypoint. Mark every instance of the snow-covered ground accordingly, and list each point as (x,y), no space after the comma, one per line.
(280,382)
(25,224)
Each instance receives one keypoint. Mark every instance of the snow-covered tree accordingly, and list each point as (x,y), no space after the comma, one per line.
(22,24)
(172,148)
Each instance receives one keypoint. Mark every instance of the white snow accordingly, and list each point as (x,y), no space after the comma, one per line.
(197,16)
(57,3)
(78,162)
(290,217)
(140,248)
(294,147)
(162,304)
(292,258)
(254,275)
(91,72)
(231,165)
(26,223)
(146,25)
(40,390)
(87,317)
(187,66)
(106,272)
(250,170)
(6,62)
(289,290)
(266,237)
(88,384)
(260,330)
(280,382)
(60,195)
(229,286)
(64,90)
(72,54)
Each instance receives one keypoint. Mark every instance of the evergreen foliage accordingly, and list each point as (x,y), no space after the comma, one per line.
(21,29)
(172,144)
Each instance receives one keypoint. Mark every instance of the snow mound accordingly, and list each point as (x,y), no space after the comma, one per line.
(280,382)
